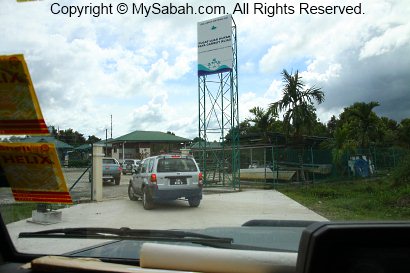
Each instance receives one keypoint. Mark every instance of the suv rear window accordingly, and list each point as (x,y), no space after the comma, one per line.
(109,161)
(129,161)
(176,165)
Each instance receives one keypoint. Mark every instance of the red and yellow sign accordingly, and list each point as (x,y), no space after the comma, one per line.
(20,113)
(34,173)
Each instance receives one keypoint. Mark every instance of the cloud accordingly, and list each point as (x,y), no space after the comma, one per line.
(321,71)
(142,70)
(85,67)
(372,79)
(158,115)
(393,38)
(357,58)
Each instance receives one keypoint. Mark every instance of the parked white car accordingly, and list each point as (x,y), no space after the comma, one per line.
(130,165)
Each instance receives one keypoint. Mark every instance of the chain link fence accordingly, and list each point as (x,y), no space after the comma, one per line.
(77,175)
(261,165)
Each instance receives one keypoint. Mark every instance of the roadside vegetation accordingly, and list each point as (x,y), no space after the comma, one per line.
(361,199)
(14,212)
(380,198)
(357,132)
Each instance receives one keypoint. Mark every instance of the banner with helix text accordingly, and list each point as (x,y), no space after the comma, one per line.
(33,172)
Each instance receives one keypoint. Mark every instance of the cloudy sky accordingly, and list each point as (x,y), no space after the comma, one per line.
(142,70)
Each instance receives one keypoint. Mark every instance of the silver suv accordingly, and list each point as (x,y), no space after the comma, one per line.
(166,177)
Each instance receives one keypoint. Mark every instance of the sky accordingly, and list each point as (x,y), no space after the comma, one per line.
(142,69)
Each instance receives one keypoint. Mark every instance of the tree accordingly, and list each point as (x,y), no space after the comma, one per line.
(71,137)
(257,126)
(367,118)
(331,125)
(297,104)
(244,130)
(387,132)
(362,122)
(53,131)
(92,139)
(404,132)
(263,121)
(341,146)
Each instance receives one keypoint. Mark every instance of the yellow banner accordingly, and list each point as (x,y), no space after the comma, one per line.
(20,113)
(34,173)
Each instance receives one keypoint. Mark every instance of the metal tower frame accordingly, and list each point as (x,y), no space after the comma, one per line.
(219,116)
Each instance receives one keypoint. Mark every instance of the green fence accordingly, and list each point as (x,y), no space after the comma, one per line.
(77,175)
(270,164)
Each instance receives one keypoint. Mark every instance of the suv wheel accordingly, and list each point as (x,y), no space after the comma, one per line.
(194,202)
(131,193)
(147,202)
(117,180)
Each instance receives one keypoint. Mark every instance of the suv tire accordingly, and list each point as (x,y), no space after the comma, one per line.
(117,180)
(131,193)
(194,202)
(147,202)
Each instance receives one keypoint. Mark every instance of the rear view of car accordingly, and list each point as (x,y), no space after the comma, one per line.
(111,170)
(167,177)
(130,165)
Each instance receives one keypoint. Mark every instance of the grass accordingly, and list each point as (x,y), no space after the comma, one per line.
(19,211)
(367,199)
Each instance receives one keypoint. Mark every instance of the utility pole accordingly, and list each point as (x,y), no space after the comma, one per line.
(111,126)
(106,133)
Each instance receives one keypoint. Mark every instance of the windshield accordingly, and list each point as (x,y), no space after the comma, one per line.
(275,114)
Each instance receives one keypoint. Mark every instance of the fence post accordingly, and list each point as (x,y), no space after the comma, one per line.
(251,155)
(273,167)
(97,172)
(311,155)
(264,161)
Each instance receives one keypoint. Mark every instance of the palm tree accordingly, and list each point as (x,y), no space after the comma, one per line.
(341,146)
(364,113)
(262,120)
(297,105)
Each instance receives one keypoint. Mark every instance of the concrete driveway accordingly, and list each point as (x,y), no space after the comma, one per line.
(218,209)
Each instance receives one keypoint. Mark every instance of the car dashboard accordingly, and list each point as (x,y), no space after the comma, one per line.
(332,247)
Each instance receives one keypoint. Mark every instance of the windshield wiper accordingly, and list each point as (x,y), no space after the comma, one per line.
(143,235)
(127,234)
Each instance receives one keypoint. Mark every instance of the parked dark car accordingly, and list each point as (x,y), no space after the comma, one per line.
(111,170)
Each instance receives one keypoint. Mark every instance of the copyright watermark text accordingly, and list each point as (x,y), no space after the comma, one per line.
(156,8)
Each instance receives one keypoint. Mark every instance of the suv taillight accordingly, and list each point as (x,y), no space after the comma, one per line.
(153,178)
(200,179)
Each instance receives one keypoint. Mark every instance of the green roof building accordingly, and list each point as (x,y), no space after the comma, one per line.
(61,147)
(141,144)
